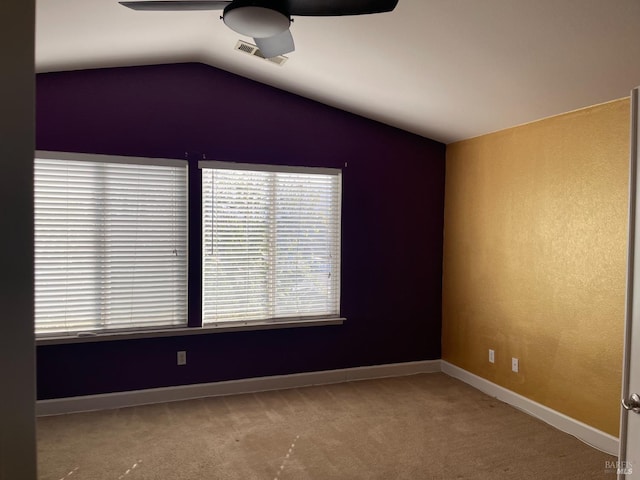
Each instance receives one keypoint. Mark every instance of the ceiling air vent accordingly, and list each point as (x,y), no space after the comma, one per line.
(255,51)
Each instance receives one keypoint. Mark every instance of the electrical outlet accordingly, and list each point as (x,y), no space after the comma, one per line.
(514,364)
(492,356)
(182,357)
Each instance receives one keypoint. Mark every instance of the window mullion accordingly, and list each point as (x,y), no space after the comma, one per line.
(273,243)
(103,245)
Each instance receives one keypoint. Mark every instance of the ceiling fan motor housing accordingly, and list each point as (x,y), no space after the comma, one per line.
(257,18)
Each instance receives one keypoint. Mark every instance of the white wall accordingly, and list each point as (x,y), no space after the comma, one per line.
(17,130)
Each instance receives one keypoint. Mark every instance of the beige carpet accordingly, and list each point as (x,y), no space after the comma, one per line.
(426,426)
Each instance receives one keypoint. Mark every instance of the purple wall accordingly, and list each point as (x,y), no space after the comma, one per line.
(393,209)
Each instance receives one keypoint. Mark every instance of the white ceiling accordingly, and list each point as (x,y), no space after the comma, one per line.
(444,69)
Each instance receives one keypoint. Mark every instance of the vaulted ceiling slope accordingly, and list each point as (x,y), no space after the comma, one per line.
(444,69)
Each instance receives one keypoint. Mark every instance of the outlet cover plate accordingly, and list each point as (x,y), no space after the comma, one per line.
(515,365)
(182,357)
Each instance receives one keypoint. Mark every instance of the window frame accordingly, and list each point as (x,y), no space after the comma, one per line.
(109,207)
(272,225)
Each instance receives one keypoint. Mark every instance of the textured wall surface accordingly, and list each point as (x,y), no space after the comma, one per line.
(534,259)
(393,204)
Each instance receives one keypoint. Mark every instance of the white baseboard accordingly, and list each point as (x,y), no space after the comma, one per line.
(594,437)
(250,385)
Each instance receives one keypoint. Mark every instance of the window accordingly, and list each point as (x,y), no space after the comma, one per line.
(110,243)
(112,246)
(271,243)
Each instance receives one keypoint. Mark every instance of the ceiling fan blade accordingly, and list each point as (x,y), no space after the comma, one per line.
(176,5)
(277,45)
(320,8)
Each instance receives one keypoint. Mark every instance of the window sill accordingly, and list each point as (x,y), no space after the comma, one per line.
(184,331)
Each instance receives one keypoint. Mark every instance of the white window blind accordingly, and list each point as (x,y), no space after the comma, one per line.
(271,243)
(110,244)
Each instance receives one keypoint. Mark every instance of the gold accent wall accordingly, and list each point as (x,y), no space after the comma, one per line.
(535,259)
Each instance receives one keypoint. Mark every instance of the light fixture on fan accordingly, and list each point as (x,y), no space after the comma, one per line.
(254,19)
